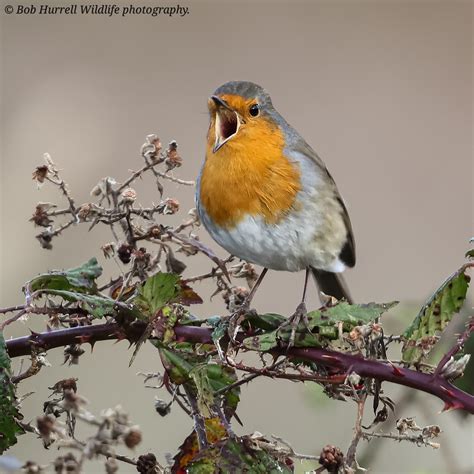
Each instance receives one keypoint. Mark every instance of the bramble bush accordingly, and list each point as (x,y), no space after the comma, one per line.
(341,347)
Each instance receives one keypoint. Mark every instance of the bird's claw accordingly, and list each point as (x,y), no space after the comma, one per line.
(301,314)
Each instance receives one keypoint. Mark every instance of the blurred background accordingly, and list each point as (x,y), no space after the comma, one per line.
(383,92)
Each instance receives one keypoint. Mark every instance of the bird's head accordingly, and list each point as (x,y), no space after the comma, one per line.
(239,112)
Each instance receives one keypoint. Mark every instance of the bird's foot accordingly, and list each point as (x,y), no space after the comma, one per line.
(301,314)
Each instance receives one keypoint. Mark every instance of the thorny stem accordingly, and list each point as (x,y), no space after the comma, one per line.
(344,363)
(62,185)
(199,426)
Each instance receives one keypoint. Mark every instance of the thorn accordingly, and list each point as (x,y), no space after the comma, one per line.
(449,406)
(449,392)
(83,339)
(397,371)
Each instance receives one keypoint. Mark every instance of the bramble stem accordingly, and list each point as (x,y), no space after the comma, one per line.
(436,385)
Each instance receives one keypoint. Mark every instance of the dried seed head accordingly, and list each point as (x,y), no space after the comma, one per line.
(133,437)
(173,160)
(66,464)
(85,211)
(45,425)
(169,206)
(407,424)
(124,253)
(72,354)
(109,249)
(65,384)
(162,408)
(40,174)
(431,431)
(129,196)
(45,239)
(151,148)
(235,297)
(30,467)
(155,231)
(331,458)
(146,464)
(40,217)
(111,466)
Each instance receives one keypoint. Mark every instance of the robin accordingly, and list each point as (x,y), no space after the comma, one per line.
(265,196)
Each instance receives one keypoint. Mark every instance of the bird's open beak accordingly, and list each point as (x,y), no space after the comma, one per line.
(227,122)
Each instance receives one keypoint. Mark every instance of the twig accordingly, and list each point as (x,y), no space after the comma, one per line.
(175,180)
(351,452)
(11,309)
(417,439)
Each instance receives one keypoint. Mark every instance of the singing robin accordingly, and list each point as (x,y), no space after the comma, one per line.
(265,195)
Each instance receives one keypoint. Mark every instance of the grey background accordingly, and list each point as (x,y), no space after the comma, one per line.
(382,90)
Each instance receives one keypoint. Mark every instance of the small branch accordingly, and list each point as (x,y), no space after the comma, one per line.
(351,452)
(175,180)
(11,309)
(417,439)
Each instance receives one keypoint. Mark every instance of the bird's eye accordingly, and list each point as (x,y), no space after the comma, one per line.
(254,110)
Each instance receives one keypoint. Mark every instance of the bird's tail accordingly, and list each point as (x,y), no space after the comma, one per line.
(332,284)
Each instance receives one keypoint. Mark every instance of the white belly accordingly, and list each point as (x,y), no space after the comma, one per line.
(294,243)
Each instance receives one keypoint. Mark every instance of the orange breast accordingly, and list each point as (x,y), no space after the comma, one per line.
(249,175)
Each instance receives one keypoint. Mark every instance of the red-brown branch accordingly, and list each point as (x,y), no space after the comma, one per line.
(436,385)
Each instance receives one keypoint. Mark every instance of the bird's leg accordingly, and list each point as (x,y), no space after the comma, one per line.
(249,298)
(300,314)
(234,318)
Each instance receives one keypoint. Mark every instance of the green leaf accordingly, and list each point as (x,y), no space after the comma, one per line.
(267,321)
(97,306)
(323,325)
(158,291)
(350,315)
(80,279)
(9,427)
(178,365)
(220,377)
(435,315)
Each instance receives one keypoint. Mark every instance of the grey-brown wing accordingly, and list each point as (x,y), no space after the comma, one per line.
(347,254)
